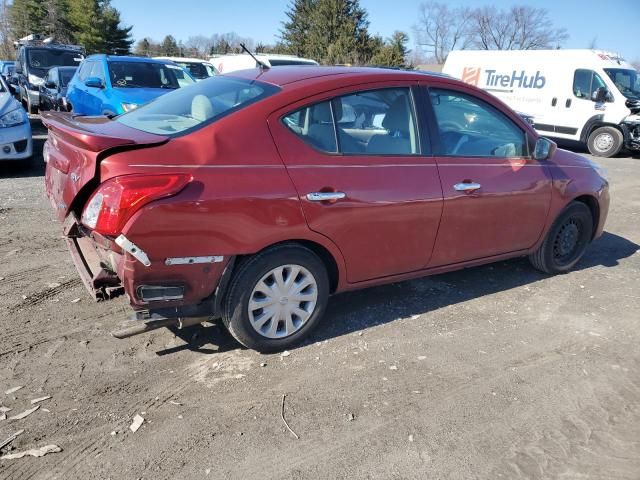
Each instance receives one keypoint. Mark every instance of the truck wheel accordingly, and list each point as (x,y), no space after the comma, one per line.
(30,108)
(566,241)
(605,142)
(276,298)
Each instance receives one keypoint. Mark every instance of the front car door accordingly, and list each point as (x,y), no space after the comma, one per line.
(357,161)
(496,196)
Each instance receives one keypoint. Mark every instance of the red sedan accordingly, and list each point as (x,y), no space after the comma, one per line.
(256,196)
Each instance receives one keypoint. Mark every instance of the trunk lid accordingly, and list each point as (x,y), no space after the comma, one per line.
(75,145)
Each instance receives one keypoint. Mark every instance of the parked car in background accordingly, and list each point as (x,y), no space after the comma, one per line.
(6,68)
(112,85)
(54,89)
(35,58)
(243,61)
(15,129)
(199,69)
(254,196)
(587,96)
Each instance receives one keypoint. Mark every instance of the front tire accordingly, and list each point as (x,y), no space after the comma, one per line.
(276,298)
(566,241)
(605,142)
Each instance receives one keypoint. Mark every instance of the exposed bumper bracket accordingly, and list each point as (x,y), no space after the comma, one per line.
(128,246)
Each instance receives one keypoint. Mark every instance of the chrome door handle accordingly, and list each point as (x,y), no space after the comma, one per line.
(467,187)
(325,196)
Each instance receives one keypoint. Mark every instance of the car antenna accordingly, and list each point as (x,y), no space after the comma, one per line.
(263,66)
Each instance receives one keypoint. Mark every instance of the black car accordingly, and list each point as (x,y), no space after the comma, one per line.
(54,89)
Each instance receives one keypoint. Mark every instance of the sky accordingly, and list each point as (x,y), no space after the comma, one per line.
(614,24)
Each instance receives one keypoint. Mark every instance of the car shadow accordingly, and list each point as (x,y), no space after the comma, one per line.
(359,310)
(362,309)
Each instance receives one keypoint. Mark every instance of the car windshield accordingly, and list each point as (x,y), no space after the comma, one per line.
(200,104)
(65,77)
(198,70)
(147,75)
(627,81)
(47,58)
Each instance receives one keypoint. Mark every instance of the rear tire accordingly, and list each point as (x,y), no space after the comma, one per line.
(293,284)
(605,142)
(566,241)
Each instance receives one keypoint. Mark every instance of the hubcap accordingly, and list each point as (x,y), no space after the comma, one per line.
(603,142)
(282,301)
(566,241)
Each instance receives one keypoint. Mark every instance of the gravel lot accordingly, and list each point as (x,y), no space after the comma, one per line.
(494,372)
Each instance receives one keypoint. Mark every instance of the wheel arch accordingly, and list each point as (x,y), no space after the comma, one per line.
(326,256)
(594,123)
(591,202)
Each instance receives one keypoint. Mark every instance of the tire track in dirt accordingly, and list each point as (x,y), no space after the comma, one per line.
(44,295)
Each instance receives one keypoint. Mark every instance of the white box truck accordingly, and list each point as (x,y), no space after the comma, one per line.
(588,96)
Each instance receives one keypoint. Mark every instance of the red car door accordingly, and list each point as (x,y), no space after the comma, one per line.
(496,197)
(355,158)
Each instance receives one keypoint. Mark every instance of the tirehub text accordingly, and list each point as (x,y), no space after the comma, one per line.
(515,80)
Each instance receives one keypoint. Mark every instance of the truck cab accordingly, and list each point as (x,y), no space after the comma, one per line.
(586,96)
(34,59)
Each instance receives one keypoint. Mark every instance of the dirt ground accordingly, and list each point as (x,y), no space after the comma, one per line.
(493,372)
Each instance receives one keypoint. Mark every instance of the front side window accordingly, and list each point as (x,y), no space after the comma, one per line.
(373,122)
(585,83)
(189,108)
(469,126)
(147,75)
(85,70)
(97,71)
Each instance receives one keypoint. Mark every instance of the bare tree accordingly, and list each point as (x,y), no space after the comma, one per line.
(519,28)
(7,49)
(200,44)
(441,29)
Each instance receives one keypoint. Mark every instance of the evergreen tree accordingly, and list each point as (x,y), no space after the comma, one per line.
(117,38)
(330,31)
(26,17)
(86,25)
(143,48)
(393,53)
(169,47)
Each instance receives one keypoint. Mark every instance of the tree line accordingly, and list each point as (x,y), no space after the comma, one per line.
(94,24)
(329,31)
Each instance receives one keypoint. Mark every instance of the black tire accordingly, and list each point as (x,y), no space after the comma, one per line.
(30,108)
(235,306)
(605,142)
(566,240)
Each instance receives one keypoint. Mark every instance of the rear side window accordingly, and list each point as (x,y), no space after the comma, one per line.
(469,126)
(374,122)
(186,109)
(585,83)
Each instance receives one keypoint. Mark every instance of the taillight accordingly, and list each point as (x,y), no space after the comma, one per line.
(117,199)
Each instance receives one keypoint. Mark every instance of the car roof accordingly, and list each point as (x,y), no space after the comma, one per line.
(123,58)
(281,76)
(183,59)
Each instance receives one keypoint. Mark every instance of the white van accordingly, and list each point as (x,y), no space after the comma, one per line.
(589,96)
(243,61)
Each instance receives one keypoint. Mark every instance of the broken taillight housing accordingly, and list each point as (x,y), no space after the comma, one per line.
(117,199)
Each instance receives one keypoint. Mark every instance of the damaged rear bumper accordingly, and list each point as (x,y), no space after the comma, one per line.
(95,266)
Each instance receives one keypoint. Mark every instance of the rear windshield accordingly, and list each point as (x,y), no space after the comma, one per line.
(47,58)
(147,75)
(199,70)
(201,104)
(65,77)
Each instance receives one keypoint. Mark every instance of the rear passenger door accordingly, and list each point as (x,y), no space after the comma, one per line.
(496,195)
(363,176)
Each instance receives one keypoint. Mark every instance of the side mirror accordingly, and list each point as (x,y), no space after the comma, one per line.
(544,149)
(94,82)
(601,95)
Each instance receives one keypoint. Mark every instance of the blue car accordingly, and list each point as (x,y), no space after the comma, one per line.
(112,85)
